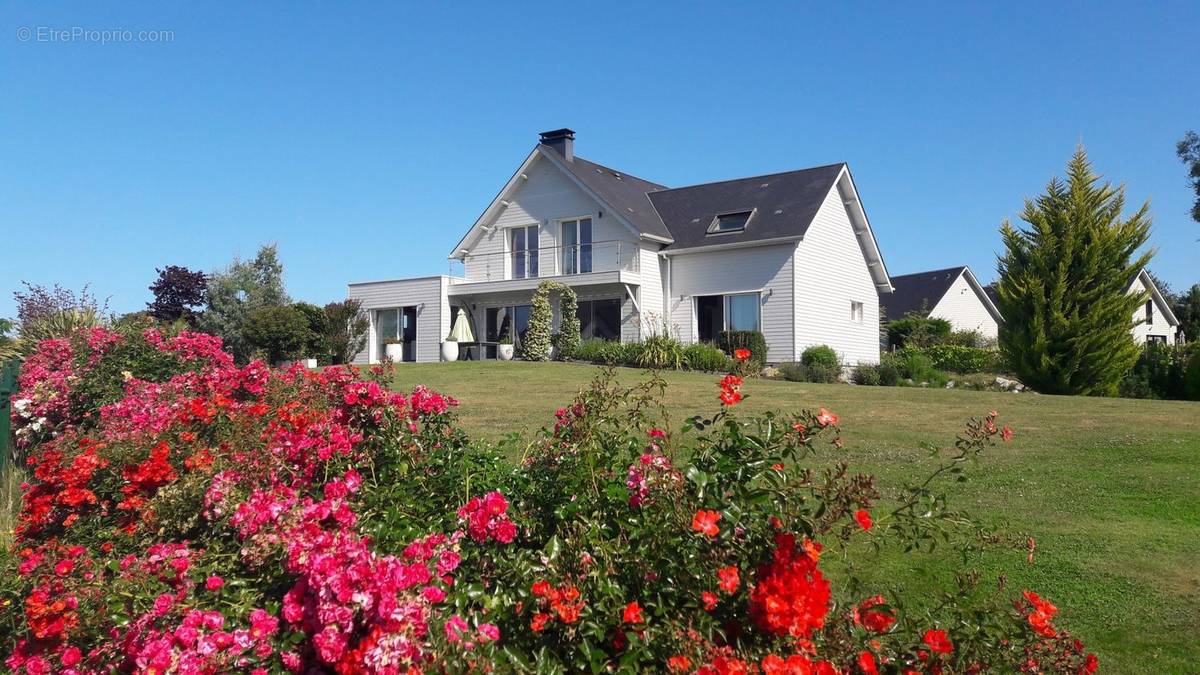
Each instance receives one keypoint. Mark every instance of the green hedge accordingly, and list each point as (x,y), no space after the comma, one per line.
(1164,372)
(957,358)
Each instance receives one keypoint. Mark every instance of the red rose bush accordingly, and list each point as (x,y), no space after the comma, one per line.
(187,515)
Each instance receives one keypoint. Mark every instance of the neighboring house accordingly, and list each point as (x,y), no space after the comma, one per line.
(953,294)
(1153,321)
(789,254)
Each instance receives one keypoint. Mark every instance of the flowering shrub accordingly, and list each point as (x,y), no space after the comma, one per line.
(187,515)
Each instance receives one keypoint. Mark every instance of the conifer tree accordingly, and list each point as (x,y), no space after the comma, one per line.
(1063,282)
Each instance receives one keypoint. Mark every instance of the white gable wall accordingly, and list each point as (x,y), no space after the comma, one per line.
(739,270)
(545,198)
(831,273)
(963,308)
(1159,326)
(428,294)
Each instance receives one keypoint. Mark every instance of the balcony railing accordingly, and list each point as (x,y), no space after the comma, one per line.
(548,261)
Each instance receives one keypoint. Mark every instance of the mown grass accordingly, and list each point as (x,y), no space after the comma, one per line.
(1109,487)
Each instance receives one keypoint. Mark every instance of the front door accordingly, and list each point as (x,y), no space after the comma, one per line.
(710,317)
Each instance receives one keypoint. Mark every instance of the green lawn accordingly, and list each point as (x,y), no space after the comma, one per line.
(1109,487)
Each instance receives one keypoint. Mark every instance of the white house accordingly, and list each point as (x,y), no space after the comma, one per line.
(1153,321)
(789,254)
(953,294)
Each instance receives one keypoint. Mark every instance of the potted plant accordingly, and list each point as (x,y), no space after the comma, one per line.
(504,350)
(393,348)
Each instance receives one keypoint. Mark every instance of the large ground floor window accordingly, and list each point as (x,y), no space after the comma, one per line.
(599,319)
(511,322)
(396,325)
(717,313)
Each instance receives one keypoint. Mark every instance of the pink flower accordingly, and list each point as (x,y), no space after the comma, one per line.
(488,632)
(455,627)
(214,583)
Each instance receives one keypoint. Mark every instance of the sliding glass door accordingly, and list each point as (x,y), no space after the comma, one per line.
(577,246)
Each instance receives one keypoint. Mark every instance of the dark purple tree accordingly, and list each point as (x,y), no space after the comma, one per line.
(177,291)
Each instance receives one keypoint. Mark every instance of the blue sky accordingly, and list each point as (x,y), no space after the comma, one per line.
(364,139)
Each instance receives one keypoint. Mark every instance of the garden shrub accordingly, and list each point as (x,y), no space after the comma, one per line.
(960,359)
(1161,372)
(867,374)
(917,331)
(915,364)
(732,340)
(225,519)
(705,358)
(568,330)
(281,332)
(820,355)
(1191,378)
(661,351)
(889,370)
(818,372)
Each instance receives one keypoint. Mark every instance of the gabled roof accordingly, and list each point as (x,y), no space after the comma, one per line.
(920,292)
(784,205)
(624,194)
(1163,305)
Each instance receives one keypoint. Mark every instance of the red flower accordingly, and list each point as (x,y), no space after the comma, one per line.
(731,386)
(863,518)
(741,354)
(633,613)
(1090,664)
(826,418)
(1041,611)
(874,620)
(728,580)
(866,663)
(539,622)
(1006,434)
(800,428)
(709,599)
(706,522)
(657,434)
(679,664)
(938,641)
(541,588)
(790,596)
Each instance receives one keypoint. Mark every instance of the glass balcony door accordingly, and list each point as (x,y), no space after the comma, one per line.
(524,247)
(577,246)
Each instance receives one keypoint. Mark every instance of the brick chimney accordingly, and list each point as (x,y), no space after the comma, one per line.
(562,140)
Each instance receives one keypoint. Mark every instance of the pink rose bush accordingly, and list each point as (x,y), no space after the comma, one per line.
(188,515)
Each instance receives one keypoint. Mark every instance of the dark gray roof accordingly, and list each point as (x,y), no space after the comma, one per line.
(918,292)
(784,206)
(992,293)
(623,192)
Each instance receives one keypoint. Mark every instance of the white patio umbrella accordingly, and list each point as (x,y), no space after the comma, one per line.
(461,330)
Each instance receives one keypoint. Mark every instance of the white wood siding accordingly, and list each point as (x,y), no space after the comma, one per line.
(964,310)
(545,198)
(428,294)
(1159,326)
(761,268)
(831,273)
(650,295)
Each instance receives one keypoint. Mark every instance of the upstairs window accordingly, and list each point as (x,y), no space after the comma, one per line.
(856,312)
(1150,311)
(524,248)
(730,222)
(577,246)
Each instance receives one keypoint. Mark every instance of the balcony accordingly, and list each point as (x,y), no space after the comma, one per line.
(549,261)
(601,262)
